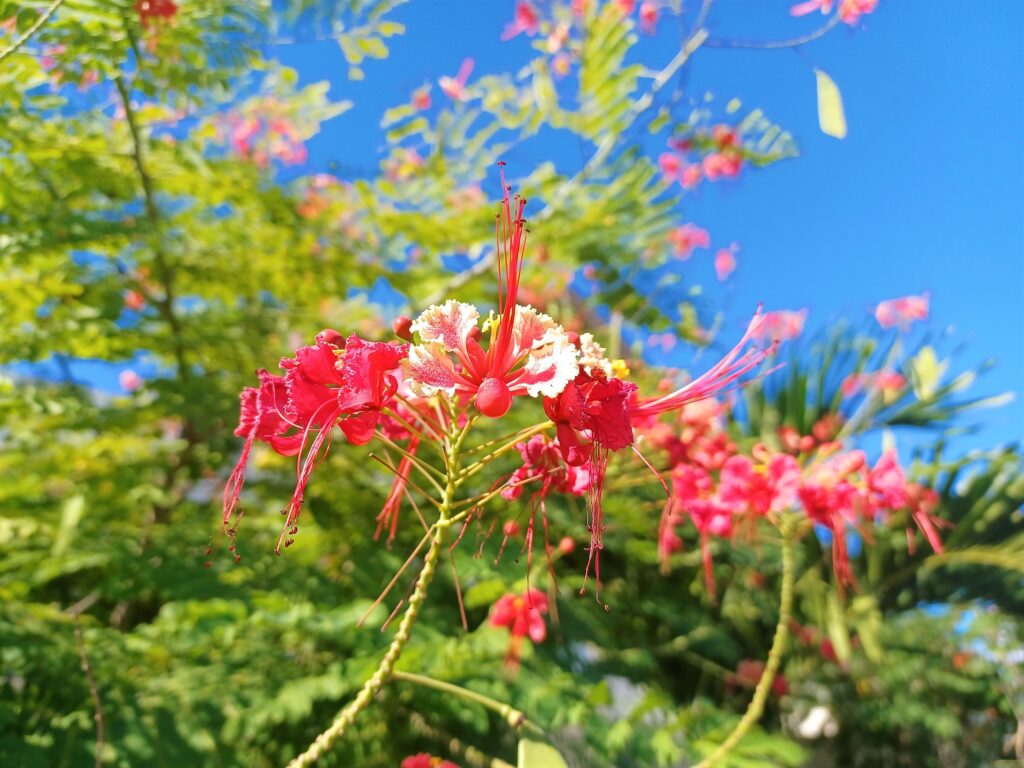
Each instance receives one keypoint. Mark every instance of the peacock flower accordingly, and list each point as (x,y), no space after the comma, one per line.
(523,617)
(527,353)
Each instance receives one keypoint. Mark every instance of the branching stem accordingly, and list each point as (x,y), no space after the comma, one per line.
(755,709)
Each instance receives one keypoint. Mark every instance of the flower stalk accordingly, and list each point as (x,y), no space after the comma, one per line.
(788,529)
(385,670)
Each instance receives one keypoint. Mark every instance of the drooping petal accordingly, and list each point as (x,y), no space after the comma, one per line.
(430,370)
(359,428)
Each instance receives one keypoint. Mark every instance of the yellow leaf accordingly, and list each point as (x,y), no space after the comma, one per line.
(537,754)
(830,107)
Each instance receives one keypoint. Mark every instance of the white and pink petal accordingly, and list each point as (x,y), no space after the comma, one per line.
(448,324)
(429,370)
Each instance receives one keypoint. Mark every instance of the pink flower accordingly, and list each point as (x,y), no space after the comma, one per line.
(889,382)
(670,165)
(129,380)
(524,20)
(810,6)
(781,325)
(648,17)
(522,615)
(454,87)
(759,490)
(542,459)
(853,384)
(134,301)
(687,237)
(850,11)
(421,98)
(887,482)
(902,311)
(722,164)
(725,261)
(691,176)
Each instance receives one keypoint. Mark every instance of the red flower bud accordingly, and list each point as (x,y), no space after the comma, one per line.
(402,327)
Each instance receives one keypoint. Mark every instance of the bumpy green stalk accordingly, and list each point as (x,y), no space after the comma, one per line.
(385,669)
(511,715)
(756,707)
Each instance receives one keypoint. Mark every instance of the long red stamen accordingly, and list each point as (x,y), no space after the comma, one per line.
(389,514)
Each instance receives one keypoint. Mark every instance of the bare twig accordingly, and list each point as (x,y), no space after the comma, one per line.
(793,42)
(31,30)
(93,690)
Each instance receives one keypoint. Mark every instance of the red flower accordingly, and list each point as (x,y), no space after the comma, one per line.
(759,490)
(523,616)
(423,760)
(324,384)
(149,10)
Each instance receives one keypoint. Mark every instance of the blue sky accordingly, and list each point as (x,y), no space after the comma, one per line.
(923,194)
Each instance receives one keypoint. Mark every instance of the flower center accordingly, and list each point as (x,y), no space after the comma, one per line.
(493,398)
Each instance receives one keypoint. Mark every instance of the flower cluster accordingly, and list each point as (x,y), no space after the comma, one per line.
(717,488)
(850,11)
(705,155)
(450,367)
(266,133)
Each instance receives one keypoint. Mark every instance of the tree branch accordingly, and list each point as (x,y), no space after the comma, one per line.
(17,44)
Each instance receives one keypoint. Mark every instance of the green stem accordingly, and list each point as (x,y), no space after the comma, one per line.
(385,670)
(43,18)
(509,714)
(756,707)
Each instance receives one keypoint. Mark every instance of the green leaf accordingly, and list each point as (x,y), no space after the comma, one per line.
(484,593)
(927,372)
(830,107)
(537,754)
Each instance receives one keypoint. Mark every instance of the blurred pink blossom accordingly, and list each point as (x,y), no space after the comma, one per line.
(782,325)
(455,87)
(687,237)
(810,6)
(902,311)
(725,261)
(129,380)
(525,20)
(691,176)
(648,17)
(850,11)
